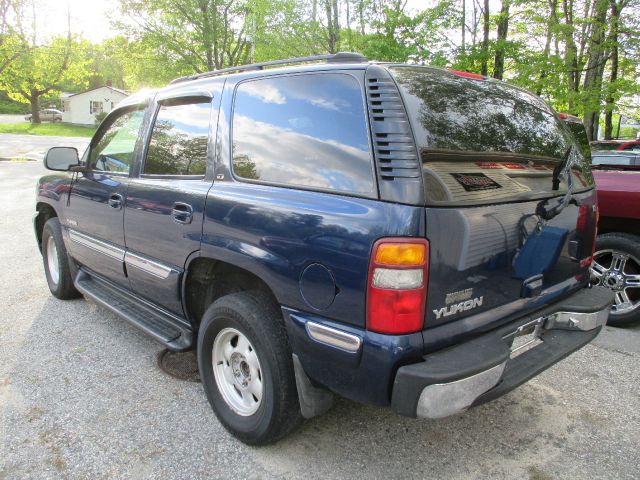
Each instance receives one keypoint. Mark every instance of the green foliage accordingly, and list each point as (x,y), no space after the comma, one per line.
(46,68)
(547,49)
(8,106)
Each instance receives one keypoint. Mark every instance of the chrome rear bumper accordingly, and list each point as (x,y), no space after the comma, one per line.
(474,372)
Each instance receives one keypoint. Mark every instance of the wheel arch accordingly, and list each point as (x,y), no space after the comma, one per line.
(619,224)
(206,279)
(44,213)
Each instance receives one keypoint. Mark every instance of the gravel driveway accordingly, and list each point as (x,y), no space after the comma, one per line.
(81,397)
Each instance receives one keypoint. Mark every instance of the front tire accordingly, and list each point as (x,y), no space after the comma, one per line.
(56,261)
(246,368)
(616,265)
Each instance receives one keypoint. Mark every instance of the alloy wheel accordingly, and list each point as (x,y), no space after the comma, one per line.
(620,272)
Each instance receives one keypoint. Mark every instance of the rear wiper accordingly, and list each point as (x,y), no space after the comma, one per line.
(562,171)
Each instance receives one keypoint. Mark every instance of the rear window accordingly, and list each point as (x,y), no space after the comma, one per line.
(485,141)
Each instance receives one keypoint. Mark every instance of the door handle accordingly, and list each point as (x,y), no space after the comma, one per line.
(182,212)
(115,201)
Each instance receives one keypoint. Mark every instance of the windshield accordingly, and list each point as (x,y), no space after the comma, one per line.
(485,141)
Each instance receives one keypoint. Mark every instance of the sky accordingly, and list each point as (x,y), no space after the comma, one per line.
(90,18)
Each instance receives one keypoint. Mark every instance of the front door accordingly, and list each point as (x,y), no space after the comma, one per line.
(165,202)
(96,202)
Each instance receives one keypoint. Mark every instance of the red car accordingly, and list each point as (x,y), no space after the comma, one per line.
(616,145)
(616,261)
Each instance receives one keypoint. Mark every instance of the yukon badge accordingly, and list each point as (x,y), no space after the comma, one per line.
(458,302)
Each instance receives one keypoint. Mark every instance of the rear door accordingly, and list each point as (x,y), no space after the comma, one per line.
(505,236)
(166,198)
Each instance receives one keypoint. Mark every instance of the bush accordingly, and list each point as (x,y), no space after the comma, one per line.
(100,117)
(9,106)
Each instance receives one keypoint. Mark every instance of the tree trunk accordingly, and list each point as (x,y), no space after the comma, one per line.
(485,39)
(333,26)
(34,100)
(503,28)
(571,55)
(553,20)
(613,77)
(592,87)
(464,26)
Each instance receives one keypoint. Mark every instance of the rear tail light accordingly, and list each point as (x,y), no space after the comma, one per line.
(397,289)
(460,73)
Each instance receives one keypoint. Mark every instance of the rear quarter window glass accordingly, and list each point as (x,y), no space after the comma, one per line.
(303,130)
(486,141)
(178,144)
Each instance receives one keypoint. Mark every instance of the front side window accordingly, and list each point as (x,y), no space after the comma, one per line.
(114,150)
(178,144)
(303,130)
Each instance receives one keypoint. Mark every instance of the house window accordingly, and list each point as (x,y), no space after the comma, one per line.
(95,107)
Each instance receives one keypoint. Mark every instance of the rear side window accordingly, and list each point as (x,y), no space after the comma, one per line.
(178,144)
(303,130)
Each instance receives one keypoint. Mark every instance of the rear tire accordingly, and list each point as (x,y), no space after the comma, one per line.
(246,368)
(56,262)
(617,266)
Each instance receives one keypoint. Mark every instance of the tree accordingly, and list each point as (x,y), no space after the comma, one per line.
(501,40)
(485,38)
(12,39)
(597,57)
(201,34)
(43,69)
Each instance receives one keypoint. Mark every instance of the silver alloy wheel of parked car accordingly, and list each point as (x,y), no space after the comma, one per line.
(237,371)
(620,272)
(52,260)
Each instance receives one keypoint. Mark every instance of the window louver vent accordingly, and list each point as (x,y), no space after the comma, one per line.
(398,169)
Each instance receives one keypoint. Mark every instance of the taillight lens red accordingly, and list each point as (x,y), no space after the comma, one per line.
(397,288)
(461,73)
(583,224)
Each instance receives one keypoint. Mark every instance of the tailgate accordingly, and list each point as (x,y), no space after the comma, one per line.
(487,256)
(510,203)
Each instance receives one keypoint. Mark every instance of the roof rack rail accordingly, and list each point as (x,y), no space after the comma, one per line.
(340,57)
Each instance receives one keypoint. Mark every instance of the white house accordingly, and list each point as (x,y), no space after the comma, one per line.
(81,108)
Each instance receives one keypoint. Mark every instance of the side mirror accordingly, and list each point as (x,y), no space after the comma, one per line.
(61,159)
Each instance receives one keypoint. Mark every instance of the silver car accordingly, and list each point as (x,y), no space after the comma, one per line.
(48,115)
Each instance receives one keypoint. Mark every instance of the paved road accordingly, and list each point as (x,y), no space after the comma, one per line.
(33,147)
(11,118)
(81,397)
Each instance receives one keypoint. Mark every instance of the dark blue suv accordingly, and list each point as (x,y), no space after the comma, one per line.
(400,235)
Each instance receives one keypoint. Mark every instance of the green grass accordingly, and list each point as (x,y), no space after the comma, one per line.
(57,129)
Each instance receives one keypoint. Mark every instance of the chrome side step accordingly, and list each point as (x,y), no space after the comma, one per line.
(173,331)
